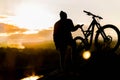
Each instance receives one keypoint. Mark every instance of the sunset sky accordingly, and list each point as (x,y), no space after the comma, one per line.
(32,16)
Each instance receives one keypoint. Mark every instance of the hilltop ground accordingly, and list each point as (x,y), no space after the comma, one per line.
(16,64)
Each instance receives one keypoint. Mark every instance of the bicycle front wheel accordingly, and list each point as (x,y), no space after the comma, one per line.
(112,39)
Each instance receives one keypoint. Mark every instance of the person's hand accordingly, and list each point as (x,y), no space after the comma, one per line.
(79,26)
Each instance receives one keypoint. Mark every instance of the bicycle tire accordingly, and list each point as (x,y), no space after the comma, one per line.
(102,45)
(80,43)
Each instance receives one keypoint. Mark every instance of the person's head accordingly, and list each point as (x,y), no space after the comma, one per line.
(63,15)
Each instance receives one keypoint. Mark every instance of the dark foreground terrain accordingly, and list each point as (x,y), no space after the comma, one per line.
(16,64)
(102,65)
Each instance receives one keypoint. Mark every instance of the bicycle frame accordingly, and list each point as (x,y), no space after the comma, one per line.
(90,31)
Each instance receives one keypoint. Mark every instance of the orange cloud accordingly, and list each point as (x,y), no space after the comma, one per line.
(46,34)
(43,35)
(6,28)
(21,40)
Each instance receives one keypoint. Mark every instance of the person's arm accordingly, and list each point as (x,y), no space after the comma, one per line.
(74,28)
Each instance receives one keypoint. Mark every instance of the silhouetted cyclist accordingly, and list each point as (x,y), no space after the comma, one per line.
(63,38)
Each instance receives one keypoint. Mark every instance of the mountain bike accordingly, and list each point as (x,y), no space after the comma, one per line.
(107,37)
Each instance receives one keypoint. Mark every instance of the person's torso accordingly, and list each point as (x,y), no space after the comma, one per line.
(62,31)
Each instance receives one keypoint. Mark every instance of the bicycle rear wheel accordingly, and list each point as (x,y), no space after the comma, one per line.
(80,44)
(112,40)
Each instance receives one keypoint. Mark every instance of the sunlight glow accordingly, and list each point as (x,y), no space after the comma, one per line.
(9,34)
(86,55)
(31,32)
(16,45)
(32,16)
(33,77)
(4,34)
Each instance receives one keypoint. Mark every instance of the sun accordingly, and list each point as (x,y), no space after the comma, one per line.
(32,16)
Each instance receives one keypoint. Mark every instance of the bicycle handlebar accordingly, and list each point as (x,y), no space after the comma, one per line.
(91,14)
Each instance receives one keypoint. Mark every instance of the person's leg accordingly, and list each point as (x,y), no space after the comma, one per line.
(75,57)
(62,60)
(68,58)
(74,52)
